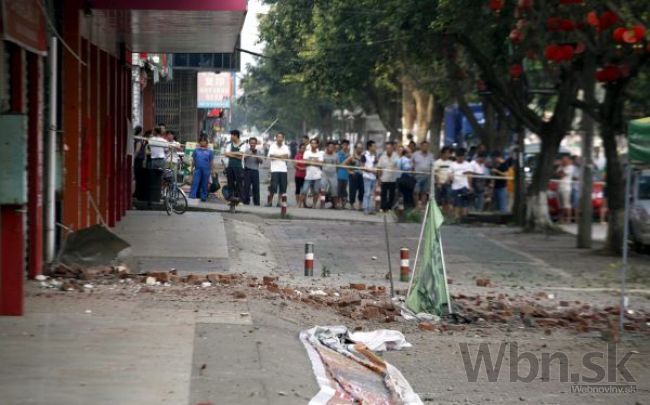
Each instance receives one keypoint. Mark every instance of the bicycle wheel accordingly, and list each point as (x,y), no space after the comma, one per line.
(167,200)
(179,201)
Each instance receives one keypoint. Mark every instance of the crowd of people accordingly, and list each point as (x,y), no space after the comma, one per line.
(342,176)
(337,173)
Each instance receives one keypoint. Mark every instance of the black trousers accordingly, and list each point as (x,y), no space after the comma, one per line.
(235,177)
(251,186)
(140,179)
(388,195)
(407,195)
(299,182)
(356,187)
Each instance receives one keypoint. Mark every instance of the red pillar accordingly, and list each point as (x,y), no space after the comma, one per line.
(86,134)
(12,237)
(71,115)
(94,129)
(35,166)
(103,134)
(112,194)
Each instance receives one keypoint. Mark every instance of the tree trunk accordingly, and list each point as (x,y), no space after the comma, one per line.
(586,207)
(435,126)
(408,106)
(615,192)
(423,114)
(388,106)
(537,217)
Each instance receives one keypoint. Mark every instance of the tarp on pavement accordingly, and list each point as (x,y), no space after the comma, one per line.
(639,141)
(429,290)
(349,373)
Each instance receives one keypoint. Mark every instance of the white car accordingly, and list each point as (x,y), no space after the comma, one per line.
(640,211)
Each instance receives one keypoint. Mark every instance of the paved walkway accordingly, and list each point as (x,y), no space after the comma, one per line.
(598,231)
(159,241)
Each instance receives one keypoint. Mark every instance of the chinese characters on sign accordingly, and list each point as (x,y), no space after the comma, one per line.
(214,90)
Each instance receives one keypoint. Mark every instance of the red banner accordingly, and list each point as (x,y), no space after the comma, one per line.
(23,23)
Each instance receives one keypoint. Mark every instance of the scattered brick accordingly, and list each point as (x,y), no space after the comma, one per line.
(426,326)
(357,286)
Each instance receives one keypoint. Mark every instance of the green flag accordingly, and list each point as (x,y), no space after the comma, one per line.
(429,286)
(639,141)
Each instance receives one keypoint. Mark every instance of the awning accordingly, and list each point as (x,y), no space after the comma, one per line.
(170,26)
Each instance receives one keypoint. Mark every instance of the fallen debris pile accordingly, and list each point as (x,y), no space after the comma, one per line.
(359,301)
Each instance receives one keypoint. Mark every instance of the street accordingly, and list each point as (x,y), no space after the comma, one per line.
(123,341)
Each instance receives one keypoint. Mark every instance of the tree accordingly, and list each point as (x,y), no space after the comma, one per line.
(534,56)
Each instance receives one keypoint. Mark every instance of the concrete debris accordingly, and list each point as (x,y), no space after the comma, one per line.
(150,281)
(40,277)
(206,284)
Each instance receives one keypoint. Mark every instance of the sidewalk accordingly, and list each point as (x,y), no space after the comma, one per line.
(598,230)
(293,212)
(195,242)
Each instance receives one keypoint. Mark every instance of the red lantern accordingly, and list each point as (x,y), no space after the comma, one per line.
(639,32)
(609,73)
(607,19)
(592,19)
(618,34)
(516,71)
(565,52)
(552,53)
(516,36)
(567,25)
(496,5)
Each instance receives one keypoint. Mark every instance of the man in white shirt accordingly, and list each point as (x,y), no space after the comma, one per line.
(157,147)
(313,158)
(278,152)
(369,163)
(565,173)
(441,174)
(460,185)
(388,165)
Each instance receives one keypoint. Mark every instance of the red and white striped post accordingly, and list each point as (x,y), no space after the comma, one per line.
(404,267)
(322,199)
(309,259)
(377,193)
(283,205)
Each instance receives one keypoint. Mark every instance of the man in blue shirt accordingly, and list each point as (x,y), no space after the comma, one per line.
(202,158)
(342,173)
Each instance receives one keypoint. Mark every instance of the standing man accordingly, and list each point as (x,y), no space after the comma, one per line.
(202,158)
(369,162)
(278,151)
(460,186)
(299,174)
(329,182)
(565,173)
(157,147)
(251,172)
(422,162)
(441,173)
(388,166)
(234,168)
(313,158)
(479,184)
(356,176)
(343,175)
(500,193)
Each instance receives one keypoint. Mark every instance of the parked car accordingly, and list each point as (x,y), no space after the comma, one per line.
(597,199)
(640,211)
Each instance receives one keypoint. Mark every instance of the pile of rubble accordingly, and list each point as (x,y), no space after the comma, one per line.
(369,302)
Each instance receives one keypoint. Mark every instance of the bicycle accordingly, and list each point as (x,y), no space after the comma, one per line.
(173,196)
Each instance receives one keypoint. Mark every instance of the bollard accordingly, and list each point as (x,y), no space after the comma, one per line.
(309,259)
(283,206)
(322,200)
(405,268)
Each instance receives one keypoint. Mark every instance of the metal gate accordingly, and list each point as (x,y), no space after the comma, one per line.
(175,105)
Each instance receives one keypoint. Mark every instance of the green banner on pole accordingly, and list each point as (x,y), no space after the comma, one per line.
(430,291)
(639,141)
